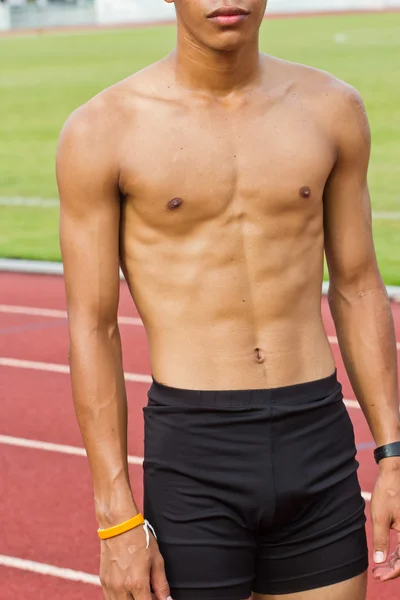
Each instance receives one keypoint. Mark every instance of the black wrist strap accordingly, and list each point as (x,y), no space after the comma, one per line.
(387,451)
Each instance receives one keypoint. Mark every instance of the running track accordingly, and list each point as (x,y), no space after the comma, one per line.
(48,543)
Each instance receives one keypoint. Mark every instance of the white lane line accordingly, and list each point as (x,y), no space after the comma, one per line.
(352,404)
(33,312)
(37,366)
(58,448)
(23,201)
(56,314)
(53,368)
(44,569)
(386,215)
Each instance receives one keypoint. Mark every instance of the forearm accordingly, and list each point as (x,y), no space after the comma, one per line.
(366,334)
(101,409)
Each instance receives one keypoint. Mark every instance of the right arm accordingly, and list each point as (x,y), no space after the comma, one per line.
(87,176)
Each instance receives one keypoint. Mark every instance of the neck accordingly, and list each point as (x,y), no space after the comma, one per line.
(216,71)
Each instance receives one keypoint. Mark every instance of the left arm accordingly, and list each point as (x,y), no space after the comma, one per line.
(360,306)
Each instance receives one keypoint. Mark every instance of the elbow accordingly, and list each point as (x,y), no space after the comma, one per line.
(88,333)
(352,287)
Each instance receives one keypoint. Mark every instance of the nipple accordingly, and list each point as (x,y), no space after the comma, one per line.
(174,203)
(305,192)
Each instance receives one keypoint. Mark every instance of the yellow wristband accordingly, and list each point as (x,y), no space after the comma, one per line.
(105,534)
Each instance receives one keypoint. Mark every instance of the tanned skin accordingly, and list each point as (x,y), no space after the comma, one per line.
(216,178)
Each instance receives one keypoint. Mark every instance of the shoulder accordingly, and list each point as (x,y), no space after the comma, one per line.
(348,115)
(337,103)
(95,121)
(343,113)
(104,120)
(336,106)
(319,88)
(343,105)
(89,140)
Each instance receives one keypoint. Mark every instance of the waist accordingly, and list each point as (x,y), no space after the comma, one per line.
(292,394)
(196,371)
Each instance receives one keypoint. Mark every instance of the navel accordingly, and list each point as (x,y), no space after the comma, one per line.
(305,192)
(174,203)
(259,356)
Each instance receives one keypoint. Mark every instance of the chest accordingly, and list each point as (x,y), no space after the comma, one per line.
(203,164)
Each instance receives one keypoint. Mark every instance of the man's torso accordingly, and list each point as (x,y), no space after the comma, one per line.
(222,225)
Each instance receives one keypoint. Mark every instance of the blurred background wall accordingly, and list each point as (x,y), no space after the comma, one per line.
(16,14)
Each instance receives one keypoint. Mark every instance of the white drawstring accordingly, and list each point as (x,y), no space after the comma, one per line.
(146,527)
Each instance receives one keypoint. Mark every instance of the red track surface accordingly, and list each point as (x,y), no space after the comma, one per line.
(46,498)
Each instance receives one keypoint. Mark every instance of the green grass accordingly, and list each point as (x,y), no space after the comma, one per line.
(43,78)
(28,232)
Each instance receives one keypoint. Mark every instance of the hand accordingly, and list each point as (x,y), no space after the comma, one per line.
(127,568)
(385,512)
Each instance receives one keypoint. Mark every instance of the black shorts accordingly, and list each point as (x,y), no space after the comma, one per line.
(253,491)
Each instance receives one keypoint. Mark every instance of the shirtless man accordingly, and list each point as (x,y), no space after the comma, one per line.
(216,178)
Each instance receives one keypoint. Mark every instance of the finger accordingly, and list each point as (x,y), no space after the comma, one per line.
(387,568)
(159,580)
(381,571)
(394,571)
(396,553)
(381,540)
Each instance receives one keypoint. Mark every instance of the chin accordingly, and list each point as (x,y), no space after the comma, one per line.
(227,41)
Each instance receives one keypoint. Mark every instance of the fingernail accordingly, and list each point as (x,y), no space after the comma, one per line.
(379,557)
(169,598)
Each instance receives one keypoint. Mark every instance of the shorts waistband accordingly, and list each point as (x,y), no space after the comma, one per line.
(291,394)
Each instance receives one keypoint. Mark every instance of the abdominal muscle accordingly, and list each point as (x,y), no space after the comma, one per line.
(212,357)
(217,322)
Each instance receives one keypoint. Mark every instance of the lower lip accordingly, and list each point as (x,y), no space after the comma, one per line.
(226,20)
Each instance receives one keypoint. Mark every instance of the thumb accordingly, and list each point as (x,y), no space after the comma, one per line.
(381,540)
(159,581)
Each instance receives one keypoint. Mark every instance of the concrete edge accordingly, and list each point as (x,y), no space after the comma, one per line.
(38,267)
(34,267)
